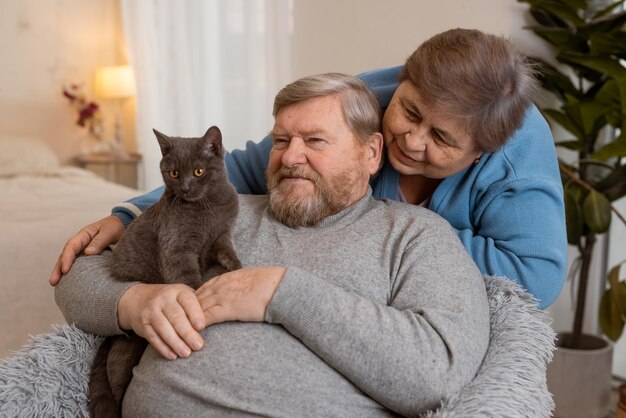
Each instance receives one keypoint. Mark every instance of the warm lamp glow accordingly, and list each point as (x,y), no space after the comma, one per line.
(115,82)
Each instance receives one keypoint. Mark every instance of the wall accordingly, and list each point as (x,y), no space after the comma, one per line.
(47,44)
(617,254)
(360,35)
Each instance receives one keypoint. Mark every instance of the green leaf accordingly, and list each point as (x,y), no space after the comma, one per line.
(613,186)
(618,292)
(611,320)
(610,150)
(565,121)
(564,10)
(607,44)
(574,145)
(605,24)
(600,64)
(597,212)
(613,305)
(554,80)
(592,117)
(607,10)
(562,38)
(573,217)
(609,96)
(547,19)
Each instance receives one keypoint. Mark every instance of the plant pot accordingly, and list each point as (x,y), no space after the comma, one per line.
(580,379)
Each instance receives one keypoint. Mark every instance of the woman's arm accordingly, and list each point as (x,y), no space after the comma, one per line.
(509,211)
(521,235)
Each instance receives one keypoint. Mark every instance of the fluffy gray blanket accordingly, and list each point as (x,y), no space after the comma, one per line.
(48,377)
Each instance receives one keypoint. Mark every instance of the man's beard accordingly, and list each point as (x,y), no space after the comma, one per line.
(326,199)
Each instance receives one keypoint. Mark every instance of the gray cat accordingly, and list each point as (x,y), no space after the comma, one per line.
(175,241)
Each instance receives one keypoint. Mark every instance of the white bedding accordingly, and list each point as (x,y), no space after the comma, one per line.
(38,212)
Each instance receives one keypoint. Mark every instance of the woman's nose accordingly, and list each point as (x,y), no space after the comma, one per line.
(417,139)
(294,154)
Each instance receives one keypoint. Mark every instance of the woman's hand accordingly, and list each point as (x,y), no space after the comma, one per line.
(169,316)
(239,295)
(91,240)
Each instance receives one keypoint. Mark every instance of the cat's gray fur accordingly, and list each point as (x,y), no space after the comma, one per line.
(175,241)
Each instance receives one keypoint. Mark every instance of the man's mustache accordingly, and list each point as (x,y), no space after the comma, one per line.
(298,172)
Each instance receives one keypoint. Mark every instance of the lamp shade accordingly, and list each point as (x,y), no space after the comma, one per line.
(115,82)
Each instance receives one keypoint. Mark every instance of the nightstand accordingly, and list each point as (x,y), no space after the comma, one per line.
(121,169)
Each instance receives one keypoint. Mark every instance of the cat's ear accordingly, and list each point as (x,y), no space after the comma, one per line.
(164,142)
(213,139)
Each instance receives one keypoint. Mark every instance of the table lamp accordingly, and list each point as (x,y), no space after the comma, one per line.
(116,82)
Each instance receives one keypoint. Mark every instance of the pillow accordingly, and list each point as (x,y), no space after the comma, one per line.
(25,155)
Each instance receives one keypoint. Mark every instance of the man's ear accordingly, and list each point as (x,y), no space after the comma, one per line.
(374,152)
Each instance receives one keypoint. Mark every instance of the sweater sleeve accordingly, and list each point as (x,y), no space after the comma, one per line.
(424,344)
(521,235)
(135,206)
(246,168)
(88,295)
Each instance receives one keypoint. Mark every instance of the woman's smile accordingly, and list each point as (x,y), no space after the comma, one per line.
(403,157)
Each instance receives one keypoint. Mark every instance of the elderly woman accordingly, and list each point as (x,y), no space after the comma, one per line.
(462,138)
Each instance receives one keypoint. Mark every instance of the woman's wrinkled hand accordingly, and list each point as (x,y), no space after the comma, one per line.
(92,240)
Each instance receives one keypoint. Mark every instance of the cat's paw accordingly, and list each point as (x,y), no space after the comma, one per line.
(228,260)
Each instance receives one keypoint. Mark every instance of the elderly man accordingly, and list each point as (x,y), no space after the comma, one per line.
(346,306)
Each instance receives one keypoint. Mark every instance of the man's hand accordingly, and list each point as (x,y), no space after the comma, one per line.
(169,316)
(240,295)
(91,240)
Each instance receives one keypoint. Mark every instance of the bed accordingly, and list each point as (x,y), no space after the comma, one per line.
(41,205)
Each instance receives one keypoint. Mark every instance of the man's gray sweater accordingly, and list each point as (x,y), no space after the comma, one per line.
(381,312)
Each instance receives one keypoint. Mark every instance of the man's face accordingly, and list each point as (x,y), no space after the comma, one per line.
(317,165)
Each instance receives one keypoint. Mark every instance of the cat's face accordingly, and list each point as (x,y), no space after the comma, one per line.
(191,166)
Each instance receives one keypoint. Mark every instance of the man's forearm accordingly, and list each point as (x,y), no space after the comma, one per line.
(88,295)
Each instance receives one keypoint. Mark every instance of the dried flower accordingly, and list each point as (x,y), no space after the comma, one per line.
(89,114)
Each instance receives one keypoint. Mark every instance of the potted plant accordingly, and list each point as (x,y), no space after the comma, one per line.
(589,41)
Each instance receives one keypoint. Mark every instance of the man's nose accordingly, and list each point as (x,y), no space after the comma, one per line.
(295,153)
(417,139)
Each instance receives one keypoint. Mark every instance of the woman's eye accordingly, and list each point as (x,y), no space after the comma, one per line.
(411,115)
(173,174)
(198,172)
(439,138)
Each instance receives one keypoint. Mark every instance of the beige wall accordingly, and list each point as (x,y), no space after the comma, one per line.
(359,35)
(44,45)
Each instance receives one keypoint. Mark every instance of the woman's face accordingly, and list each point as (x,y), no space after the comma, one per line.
(419,141)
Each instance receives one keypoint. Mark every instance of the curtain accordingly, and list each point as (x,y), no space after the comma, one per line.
(200,63)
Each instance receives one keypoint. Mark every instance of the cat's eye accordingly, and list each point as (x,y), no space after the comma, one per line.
(198,172)
(174,174)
